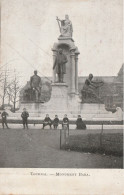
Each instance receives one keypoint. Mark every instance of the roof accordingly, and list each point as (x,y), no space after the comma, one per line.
(121,70)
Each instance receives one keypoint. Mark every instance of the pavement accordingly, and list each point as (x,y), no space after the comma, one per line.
(37,148)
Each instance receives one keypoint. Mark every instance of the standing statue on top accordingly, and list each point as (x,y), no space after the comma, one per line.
(59,65)
(66,28)
(35,84)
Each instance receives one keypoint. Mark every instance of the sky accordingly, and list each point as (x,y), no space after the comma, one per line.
(29,31)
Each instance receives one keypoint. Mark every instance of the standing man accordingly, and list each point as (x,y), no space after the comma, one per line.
(35,83)
(59,65)
(4,118)
(25,116)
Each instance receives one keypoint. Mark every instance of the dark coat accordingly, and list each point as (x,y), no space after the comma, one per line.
(56,121)
(47,120)
(65,120)
(80,124)
(25,115)
(4,115)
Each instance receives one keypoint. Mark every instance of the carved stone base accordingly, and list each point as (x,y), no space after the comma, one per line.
(61,104)
(98,112)
(58,103)
(59,98)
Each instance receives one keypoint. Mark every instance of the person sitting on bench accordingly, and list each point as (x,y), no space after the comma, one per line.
(79,123)
(65,121)
(47,121)
(56,122)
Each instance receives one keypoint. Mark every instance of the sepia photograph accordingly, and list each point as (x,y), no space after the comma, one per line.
(61,84)
(61,97)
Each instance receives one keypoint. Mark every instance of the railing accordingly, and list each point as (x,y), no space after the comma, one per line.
(71,122)
(65,133)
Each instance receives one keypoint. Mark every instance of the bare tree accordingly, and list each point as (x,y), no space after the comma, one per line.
(1,76)
(13,91)
(3,86)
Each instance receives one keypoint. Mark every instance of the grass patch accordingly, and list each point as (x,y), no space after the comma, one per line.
(108,143)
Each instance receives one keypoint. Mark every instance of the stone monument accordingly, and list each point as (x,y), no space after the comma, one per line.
(66,43)
(32,91)
(35,83)
(59,65)
(64,96)
(89,94)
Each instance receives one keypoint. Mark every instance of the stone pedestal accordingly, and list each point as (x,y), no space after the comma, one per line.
(71,51)
(59,98)
(58,103)
(98,112)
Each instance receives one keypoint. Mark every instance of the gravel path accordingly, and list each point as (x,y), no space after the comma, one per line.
(40,149)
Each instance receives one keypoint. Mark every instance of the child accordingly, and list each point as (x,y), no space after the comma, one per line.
(56,122)
(47,121)
(25,116)
(80,124)
(65,121)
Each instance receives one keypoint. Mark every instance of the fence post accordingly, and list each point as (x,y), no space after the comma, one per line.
(60,139)
(101,136)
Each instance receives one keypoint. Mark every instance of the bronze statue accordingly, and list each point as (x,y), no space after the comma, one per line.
(89,94)
(59,65)
(35,83)
(66,28)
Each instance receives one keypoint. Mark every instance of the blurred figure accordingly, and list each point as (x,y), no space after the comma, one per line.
(56,122)
(35,83)
(65,121)
(4,119)
(25,116)
(89,94)
(59,65)
(79,123)
(47,121)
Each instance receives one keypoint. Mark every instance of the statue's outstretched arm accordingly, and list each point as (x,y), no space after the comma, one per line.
(92,83)
(58,19)
(98,83)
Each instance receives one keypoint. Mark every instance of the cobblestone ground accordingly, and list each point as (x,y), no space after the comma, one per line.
(36,148)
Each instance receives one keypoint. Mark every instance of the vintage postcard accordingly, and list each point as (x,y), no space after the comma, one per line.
(61,97)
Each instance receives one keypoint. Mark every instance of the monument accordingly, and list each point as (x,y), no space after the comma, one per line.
(59,65)
(35,83)
(88,92)
(66,28)
(64,96)
(32,91)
